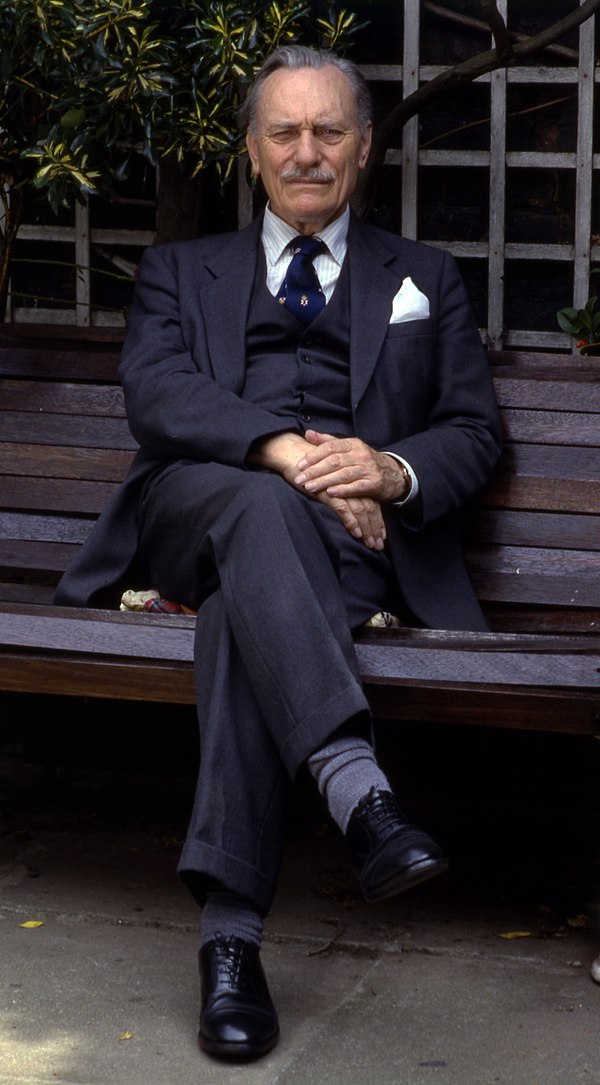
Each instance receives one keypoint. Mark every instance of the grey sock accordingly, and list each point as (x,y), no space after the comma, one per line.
(345,771)
(227,914)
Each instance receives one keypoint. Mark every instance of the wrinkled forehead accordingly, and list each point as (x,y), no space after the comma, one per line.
(307,96)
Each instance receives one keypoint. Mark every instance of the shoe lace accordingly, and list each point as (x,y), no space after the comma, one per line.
(233,962)
(380,806)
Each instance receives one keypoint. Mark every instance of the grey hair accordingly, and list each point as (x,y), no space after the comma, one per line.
(294,57)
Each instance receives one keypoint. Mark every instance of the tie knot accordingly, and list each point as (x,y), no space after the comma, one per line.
(307,246)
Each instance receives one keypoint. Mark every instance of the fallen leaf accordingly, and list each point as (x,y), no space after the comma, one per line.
(581,920)
(126,1036)
(31,923)
(515,934)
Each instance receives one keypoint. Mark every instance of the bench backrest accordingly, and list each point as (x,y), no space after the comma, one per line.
(532,542)
(64,446)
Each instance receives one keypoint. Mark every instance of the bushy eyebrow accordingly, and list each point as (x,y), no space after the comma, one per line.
(283,126)
(321,123)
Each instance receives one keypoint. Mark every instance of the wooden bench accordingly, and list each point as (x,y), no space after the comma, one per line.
(532,542)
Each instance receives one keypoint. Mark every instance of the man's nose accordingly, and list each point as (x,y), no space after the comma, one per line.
(308,151)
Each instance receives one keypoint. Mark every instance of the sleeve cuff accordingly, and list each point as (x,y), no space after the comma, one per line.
(413,493)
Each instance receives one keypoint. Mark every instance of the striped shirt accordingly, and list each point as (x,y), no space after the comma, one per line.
(276,238)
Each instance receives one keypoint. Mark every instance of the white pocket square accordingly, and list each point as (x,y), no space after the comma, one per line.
(409,304)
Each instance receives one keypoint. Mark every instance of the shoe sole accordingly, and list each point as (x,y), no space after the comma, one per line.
(237,1052)
(407,879)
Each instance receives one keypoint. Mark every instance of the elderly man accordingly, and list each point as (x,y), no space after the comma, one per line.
(313,407)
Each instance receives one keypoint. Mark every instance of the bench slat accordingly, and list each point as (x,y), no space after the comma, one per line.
(510,707)
(465,668)
(494,586)
(546,477)
(51,396)
(47,528)
(546,391)
(88,634)
(54,461)
(528,575)
(551,427)
(20,554)
(65,429)
(29,592)
(546,529)
(145,680)
(547,495)
(46,362)
(541,619)
(66,495)
(549,462)
(502,361)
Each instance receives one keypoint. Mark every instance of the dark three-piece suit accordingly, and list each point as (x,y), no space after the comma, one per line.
(212,364)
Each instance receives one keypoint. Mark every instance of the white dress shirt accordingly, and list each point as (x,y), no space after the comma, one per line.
(276,238)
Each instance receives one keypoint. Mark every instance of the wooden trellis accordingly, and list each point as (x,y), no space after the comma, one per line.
(80,237)
(495,251)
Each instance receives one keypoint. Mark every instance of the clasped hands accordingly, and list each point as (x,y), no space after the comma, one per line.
(344,473)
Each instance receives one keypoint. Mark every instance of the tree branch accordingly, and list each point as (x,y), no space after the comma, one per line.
(457,76)
(498,28)
(478,25)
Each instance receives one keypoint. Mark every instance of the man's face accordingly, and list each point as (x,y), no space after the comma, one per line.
(306,145)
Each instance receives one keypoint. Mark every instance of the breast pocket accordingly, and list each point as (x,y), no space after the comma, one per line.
(406,359)
(409,327)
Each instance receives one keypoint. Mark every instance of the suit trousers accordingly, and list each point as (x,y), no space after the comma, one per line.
(278,584)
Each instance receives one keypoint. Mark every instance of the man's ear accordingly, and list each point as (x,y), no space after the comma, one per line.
(252,146)
(365,146)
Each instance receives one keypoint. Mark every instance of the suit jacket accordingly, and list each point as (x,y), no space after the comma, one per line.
(421,388)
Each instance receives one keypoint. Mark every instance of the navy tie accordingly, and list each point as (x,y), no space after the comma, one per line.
(301,291)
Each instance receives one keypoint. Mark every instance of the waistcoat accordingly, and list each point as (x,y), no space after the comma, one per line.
(300,373)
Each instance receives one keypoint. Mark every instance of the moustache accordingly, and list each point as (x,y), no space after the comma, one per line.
(314,173)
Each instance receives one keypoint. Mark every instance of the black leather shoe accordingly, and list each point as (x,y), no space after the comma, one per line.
(388,854)
(237,1019)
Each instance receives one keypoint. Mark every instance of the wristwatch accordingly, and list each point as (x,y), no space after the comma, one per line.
(407,478)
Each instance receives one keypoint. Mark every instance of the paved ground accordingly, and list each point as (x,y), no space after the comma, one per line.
(421,991)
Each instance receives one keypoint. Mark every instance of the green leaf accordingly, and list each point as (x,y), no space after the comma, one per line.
(73,117)
(565,318)
(87,78)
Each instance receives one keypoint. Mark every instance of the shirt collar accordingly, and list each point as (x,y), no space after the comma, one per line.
(277,234)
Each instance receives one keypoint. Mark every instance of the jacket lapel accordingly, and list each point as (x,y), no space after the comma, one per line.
(225,301)
(373,284)
(374,280)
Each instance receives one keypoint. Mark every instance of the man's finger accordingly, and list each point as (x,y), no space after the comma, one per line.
(327,445)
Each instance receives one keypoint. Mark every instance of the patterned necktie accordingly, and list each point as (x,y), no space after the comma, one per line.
(301,291)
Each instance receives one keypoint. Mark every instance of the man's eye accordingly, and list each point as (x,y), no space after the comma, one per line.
(329,134)
(324,133)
